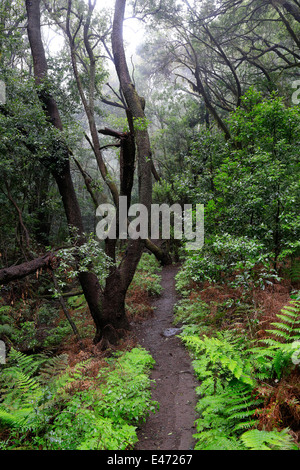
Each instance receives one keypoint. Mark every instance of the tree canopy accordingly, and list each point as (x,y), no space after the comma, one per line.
(205,111)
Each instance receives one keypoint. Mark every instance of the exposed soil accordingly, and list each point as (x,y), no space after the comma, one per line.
(172,427)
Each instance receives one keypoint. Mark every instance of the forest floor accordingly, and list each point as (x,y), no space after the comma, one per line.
(172,427)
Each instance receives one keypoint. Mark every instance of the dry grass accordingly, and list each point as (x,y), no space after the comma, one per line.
(138,304)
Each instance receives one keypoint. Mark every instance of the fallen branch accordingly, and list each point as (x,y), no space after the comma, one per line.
(19,271)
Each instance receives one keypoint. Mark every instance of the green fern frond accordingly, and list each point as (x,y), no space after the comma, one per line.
(233,409)
(241,415)
(268,440)
(272,343)
(279,334)
(245,425)
(15,418)
(285,318)
(7,419)
(28,364)
(241,406)
(280,347)
(18,386)
(283,326)
(23,389)
(214,440)
(25,383)
(53,367)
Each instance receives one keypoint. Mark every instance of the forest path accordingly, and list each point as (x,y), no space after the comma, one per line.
(172,427)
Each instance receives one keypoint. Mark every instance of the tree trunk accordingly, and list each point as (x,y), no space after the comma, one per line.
(107,308)
(61,167)
(25,269)
(135,105)
(135,111)
(114,321)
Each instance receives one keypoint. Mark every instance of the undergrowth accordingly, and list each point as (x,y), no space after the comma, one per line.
(249,392)
(62,399)
(145,285)
(46,404)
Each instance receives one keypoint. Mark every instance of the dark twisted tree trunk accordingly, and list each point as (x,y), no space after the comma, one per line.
(60,161)
(107,308)
(120,277)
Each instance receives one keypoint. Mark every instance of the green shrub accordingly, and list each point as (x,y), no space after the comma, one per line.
(237,260)
(230,369)
(147,275)
(47,314)
(44,406)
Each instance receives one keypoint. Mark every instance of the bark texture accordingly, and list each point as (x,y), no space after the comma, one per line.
(20,271)
(107,308)
(60,167)
(136,116)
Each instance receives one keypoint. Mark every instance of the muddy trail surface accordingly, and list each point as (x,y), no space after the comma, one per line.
(172,427)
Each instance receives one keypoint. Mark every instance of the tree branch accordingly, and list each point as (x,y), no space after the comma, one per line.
(20,271)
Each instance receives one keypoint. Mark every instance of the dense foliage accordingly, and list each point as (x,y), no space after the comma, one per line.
(220,107)
(249,386)
(91,406)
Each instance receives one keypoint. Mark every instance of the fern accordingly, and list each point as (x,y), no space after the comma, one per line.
(18,382)
(288,329)
(229,369)
(275,357)
(16,418)
(227,405)
(53,367)
(7,419)
(294,271)
(220,356)
(268,440)
(232,409)
(24,391)
(216,440)
(28,364)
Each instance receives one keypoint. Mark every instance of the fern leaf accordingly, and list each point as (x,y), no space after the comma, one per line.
(245,425)
(241,415)
(279,334)
(16,418)
(7,419)
(212,440)
(53,367)
(268,440)
(283,326)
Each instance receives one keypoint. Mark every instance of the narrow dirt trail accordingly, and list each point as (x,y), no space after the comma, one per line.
(172,427)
